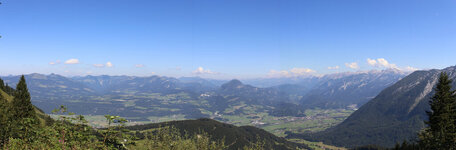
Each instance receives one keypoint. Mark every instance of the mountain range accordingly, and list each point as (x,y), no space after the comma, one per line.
(157,95)
(341,90)
(394,115)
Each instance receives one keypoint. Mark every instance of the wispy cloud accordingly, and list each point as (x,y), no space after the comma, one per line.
(109,64)
(99,65)
(54,62)
(410,69)
(72,61)
(139,65)
(294,72)
(333,68)
(301,71)
(352,65)
(201,70)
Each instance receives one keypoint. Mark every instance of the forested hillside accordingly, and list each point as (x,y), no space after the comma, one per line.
(235,137)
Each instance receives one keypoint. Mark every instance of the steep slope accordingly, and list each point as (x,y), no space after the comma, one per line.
(235,137)
(396,114)
(341,90)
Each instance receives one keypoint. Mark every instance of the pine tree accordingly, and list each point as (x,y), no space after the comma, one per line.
(441,130)
(22,109)
(22,104)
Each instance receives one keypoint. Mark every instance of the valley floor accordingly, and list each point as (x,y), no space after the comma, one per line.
(315,120)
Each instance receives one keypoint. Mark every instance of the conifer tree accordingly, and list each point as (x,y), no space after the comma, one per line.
(22,104)
(22,110)
(441,130)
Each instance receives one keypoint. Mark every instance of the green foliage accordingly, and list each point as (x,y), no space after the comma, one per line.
(73,131)
(234,137)
(5,120)
(441,130)
(115,136)
(258,145)
(169,138)
(407,146)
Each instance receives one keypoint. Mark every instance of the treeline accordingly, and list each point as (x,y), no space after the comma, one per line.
(6,88)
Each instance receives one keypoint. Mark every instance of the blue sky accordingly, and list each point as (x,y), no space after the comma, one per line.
(224,39)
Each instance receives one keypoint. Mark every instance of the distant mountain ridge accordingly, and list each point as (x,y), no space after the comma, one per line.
(130,95)
(394,115)
(341,90)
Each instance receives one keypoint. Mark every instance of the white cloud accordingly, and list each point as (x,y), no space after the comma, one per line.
(381,63)
(371,62)
(385,63)
(109,64)
(72,61)
(54,62)
(139,65)
(333,68)
(352,65)
(201,70)
(294,72)
(99,65)
(410,69)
